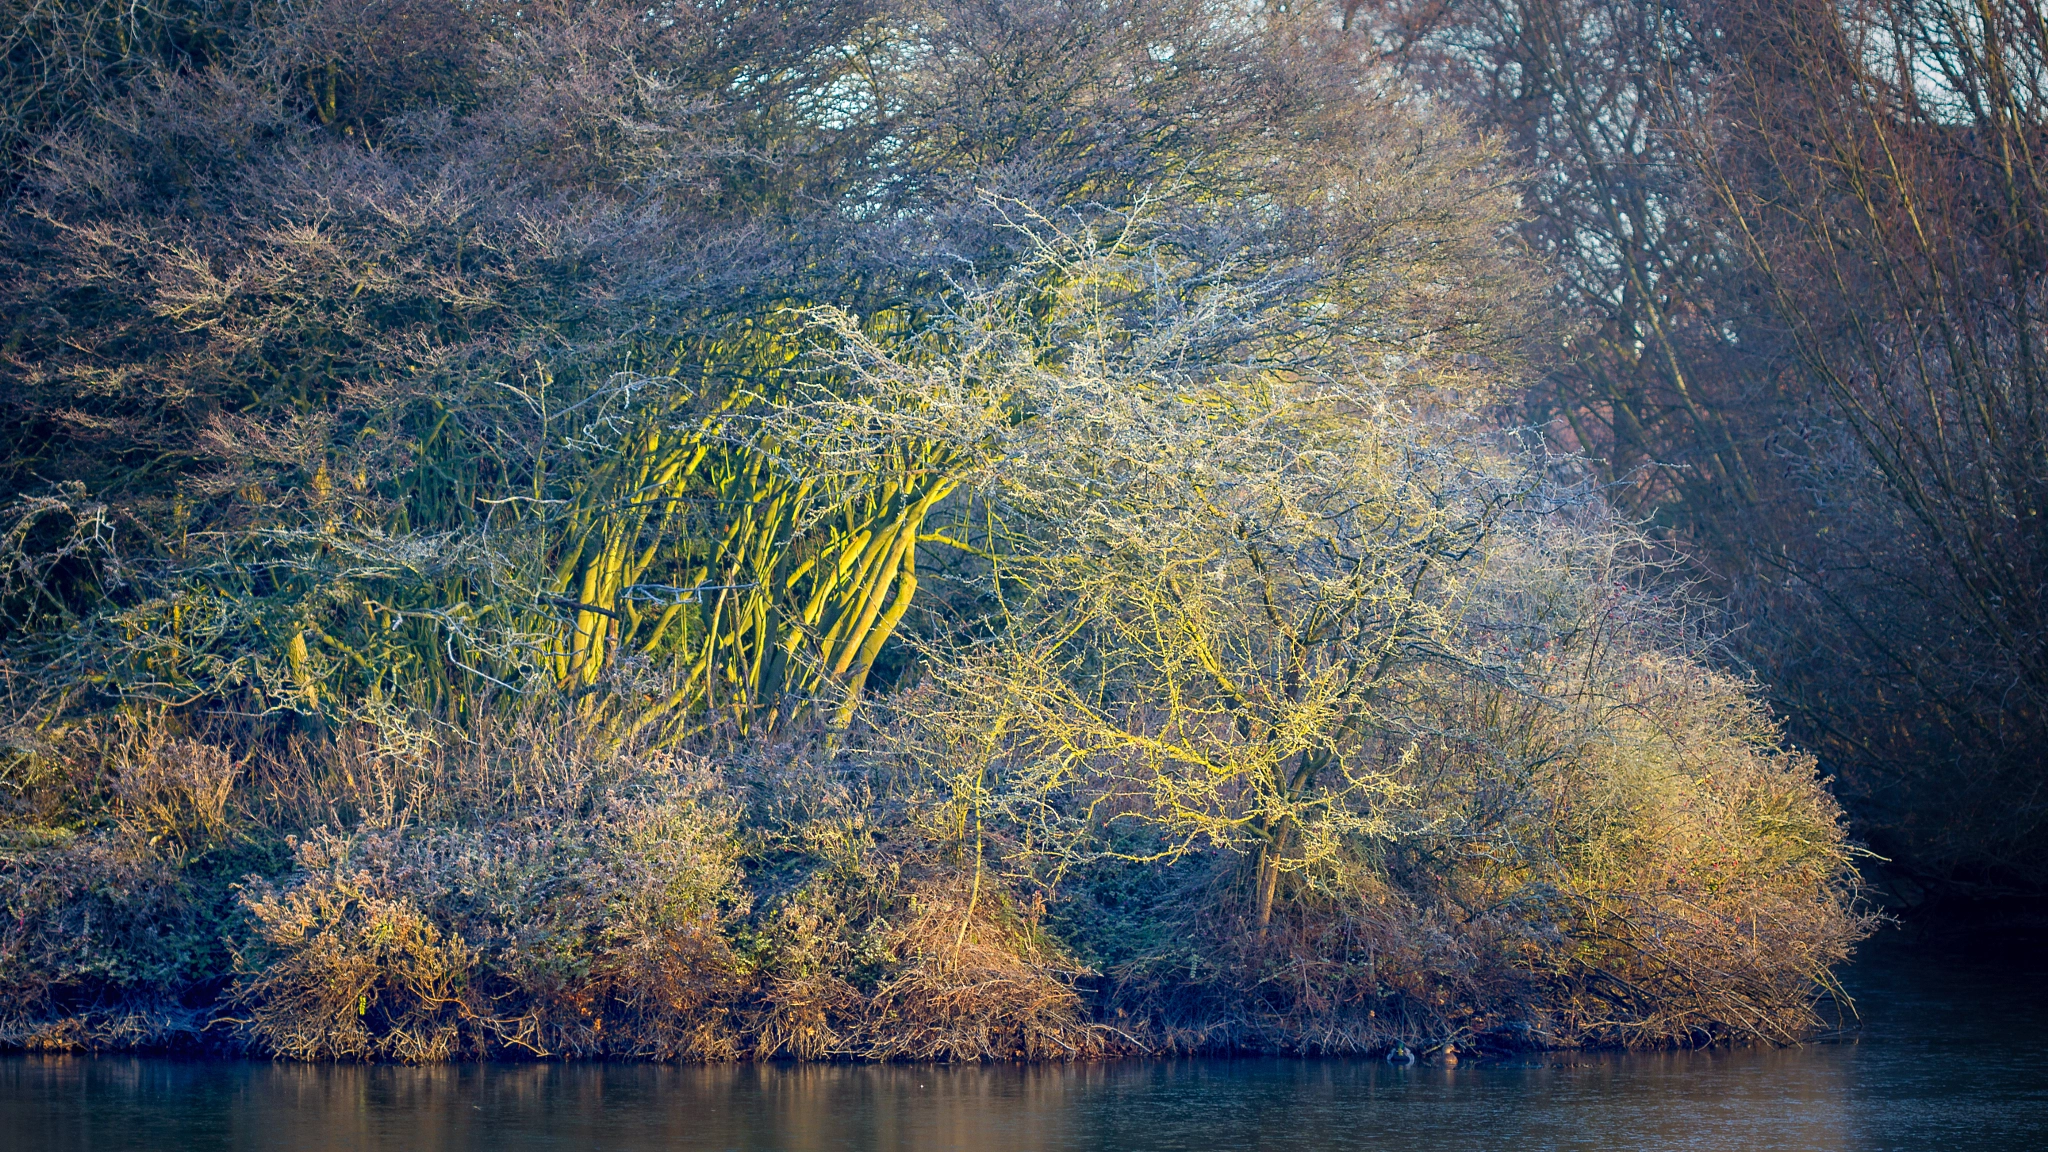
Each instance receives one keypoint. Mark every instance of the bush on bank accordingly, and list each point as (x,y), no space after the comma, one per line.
(728,536)
(562,901)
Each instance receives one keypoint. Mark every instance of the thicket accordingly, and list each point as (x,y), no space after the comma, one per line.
(914,530)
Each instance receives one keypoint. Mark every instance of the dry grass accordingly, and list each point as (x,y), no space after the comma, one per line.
(531,893)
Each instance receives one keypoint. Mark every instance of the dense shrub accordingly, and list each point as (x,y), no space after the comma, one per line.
(1412,721)
(825,531)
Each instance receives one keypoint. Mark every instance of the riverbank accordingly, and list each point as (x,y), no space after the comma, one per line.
(534,894)
(1952,1051)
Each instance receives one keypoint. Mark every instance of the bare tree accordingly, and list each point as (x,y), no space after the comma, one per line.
(1800,243)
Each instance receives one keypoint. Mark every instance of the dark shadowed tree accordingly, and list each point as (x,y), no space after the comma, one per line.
(1801,246)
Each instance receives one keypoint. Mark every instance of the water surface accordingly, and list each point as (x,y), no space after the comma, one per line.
(1952,1056)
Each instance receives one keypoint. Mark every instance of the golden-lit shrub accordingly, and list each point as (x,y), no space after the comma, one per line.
(590,929)
(346,972)
(1703,869)
(576,536)
(1440,745)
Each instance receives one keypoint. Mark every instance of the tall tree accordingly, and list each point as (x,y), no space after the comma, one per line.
(1801,247)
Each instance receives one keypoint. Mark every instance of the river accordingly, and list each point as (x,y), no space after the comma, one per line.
(1951,1056)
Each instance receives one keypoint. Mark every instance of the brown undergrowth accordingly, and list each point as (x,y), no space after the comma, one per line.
(525,895)
(412,891)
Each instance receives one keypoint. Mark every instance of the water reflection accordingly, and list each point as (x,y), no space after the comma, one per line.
(1947,1059)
